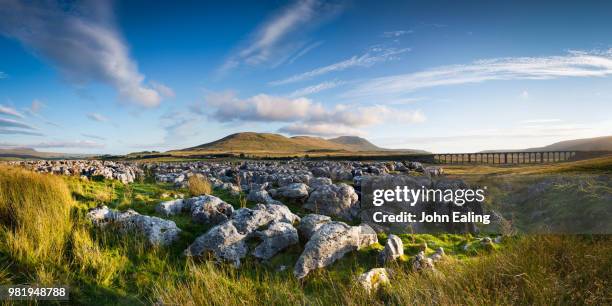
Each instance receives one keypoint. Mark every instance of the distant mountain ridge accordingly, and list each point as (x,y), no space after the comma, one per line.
(268,142)
(603,143)
(585,144)
(29,153)
(356,143)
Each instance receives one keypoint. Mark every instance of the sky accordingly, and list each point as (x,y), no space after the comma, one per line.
(444,76)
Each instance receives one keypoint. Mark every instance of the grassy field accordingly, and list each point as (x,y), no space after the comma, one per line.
(45,239)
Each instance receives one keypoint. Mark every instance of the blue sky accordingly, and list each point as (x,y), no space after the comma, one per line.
(444,76)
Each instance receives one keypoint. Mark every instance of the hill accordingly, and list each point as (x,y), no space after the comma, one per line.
(25,153)
(29,153)
(586,144)
(275,143)
(356,143)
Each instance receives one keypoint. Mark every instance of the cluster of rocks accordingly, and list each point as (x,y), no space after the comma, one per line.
(394,249)
(271,224)
(123,172)
(157,231)
(324,189)
(280,173)
(206,209)
(308,183)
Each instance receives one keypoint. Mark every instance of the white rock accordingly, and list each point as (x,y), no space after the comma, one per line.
(373,279)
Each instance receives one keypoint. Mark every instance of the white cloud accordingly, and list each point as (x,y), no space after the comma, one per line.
(320,129)
(304,113)
(6,110)
(178,127)
(276,38)
(11,131)
(67,144)
(373,56)
(93,136)
(362,116)
(261,107)
(5,122)
(97,117)
(304,51)
(315,88)
(163,89)
(573,64)
(3,75)
(81,41)
(398,33)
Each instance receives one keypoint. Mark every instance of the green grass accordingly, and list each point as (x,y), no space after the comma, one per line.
(105,268)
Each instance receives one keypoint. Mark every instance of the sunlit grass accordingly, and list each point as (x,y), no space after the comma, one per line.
(105,267)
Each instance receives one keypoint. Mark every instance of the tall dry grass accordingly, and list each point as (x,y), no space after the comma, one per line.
(199,186)
(540,270)
(35,218)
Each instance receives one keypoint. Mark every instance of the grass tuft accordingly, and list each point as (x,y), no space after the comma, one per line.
(199,186)
(35,218)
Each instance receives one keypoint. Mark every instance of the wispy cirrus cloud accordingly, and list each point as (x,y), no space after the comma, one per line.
(6,122)
(79,144)
(97,117)
(573,64)
(397,33)
(6,110)
(81,40)
(371,57)
(93,136)
(3,75)
(276,38)
(305,51)
(316,88)
(12,131)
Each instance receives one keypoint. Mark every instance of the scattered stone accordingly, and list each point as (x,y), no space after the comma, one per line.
(223,241)
(330,243)
(209,209)
(261,196)
(394,248)
(434,171)
(420,262)
(438,255)
(311,223)
(276,238)
(373,279)
(248,220)
(319,181)
(85,169)
(293,191)
(171,208)
(158,231)
(334,200)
